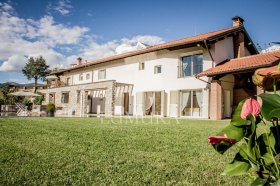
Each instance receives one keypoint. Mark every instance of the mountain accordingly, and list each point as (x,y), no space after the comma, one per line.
(21,85)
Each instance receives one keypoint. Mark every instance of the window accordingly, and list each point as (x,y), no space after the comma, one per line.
(158,69)
(52,98)
(68,81)
(141,66)
(102,74)
(43,97)
(81,77)
(190,65)
(65,97)
(78,96)
(191,103)
(87,76)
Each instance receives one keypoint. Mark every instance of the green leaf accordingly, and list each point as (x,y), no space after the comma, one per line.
(231,132)
(277,183)
(259,182)
(266,142)
(270,105)
(238,167)
(268,159)
(236,119)
(276,136)
(275,113)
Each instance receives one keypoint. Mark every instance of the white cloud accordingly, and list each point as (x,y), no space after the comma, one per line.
(13,63)
(97,51)
(62,7)
(54,34)
(21,38)
(271,48)
(27,37)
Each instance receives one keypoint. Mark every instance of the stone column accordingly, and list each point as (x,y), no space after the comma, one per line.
(110,99)
(83,103)
(216,100)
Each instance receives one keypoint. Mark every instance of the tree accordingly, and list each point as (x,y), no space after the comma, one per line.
(7,98)
(36,69)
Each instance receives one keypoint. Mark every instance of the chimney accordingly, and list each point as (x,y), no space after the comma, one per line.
(237,21)
(79,61)
(238,38)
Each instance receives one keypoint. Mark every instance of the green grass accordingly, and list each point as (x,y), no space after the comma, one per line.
(91,151)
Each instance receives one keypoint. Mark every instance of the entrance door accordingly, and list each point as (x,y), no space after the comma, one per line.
(227,107)
(126,103)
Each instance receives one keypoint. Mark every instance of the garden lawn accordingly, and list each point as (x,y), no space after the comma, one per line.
(92,151)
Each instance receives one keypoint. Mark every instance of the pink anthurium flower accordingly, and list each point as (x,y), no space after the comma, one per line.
(250,106)
(218,139)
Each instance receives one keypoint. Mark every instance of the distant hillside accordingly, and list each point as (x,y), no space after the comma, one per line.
(21,85)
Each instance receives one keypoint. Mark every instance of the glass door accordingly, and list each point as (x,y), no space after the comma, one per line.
(191,103)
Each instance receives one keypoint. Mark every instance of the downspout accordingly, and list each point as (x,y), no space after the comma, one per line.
(211,59)
(209,52)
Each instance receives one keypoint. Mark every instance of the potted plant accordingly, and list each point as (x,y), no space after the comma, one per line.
(38,100)
(27,103)
(50,109)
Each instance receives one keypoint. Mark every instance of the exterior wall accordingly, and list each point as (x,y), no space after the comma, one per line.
(75,78)
(127,71)
(80,109)
(223,50)
(247,53)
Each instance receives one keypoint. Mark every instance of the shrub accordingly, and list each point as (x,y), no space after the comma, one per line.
(38,100)
(50,108)
(26,102)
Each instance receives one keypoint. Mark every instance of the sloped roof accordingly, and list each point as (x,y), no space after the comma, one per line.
(269,72)
(175,43)
(243,64)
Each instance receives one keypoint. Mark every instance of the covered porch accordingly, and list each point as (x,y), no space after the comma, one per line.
(232,82)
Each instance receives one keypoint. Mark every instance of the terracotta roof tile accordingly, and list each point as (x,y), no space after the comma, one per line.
(187,40)
(243,64)
(269,72)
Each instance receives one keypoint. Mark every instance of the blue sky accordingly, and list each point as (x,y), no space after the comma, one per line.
(64,29)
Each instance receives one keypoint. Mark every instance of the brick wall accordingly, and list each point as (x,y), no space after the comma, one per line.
(216,100)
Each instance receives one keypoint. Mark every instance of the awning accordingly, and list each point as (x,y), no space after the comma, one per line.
(24,94)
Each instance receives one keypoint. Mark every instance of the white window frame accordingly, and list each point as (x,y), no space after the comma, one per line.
(191,102)
(180,62)
(81,77)
(63,98)
(99,74)
(142,66)
(156,71)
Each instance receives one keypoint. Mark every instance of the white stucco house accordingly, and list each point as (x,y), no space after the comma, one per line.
(154,80)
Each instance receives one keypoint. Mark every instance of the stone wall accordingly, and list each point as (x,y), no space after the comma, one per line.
(75,108)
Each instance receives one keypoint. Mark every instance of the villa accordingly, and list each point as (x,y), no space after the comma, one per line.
(202,76)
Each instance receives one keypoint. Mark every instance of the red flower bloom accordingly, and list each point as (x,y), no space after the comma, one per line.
(218,139)
(251,106)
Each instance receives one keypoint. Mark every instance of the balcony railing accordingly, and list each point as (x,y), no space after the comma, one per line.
(56,84)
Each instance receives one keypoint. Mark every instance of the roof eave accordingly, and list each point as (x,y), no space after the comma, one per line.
(236,70)
(147,50)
